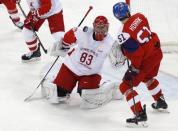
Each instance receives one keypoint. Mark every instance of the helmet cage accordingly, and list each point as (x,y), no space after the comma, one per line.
(100,28)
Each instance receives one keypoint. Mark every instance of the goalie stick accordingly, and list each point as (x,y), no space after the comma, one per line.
(29,97)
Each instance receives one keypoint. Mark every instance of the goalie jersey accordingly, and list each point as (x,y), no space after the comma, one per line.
(89,57)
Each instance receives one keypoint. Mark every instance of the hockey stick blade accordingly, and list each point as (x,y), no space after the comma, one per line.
(28,98)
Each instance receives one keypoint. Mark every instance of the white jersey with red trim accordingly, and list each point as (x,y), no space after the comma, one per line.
(42,6)
(89,55)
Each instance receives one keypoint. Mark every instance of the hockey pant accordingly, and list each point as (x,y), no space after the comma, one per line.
(67,80)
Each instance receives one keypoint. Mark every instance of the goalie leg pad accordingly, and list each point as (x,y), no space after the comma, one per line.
(94,98)
(50,92)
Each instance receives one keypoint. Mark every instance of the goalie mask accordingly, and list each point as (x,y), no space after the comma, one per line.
(100,26)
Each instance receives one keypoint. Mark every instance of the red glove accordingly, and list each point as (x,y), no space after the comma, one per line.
(129,75)
(31,18)
(133,76)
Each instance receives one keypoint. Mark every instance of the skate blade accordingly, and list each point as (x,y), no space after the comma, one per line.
(161,110)
(139,125)
(31,60)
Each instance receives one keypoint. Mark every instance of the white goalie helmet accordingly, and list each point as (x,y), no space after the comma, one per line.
(116,56)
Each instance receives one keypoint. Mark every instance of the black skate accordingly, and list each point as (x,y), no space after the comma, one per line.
(160,105)
(139,120)
(18,24)
(32,56)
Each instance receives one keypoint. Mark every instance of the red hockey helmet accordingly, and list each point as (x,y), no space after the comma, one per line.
(100,26)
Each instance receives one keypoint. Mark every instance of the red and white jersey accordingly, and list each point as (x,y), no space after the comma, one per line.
(45,8)
(89,55)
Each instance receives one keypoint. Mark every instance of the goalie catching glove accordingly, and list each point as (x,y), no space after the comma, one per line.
(116,56)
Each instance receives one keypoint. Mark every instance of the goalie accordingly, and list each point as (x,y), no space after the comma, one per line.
(82,66)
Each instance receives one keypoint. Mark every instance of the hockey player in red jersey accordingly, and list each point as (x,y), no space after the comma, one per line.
(142,47)
(41,10)
(13,12)
(83,65)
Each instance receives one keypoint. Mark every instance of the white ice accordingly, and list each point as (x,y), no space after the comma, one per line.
(18,80)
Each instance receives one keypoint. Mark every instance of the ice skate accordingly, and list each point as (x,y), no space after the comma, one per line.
(31,56)
(160,105)
(139,120)
(17,24)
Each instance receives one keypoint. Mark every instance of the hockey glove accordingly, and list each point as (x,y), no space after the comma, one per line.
(130,75)
(32,18)
(133,76)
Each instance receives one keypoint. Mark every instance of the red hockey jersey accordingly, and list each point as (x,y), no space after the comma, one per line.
(138,42)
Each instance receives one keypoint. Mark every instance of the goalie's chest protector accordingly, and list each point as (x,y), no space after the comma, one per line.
(56,7)
(89,55)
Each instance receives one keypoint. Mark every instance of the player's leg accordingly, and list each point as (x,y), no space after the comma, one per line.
(152,83)
(153,86)
(31,40)
(13,13)
(95,94)
(57,28)
(134,102)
